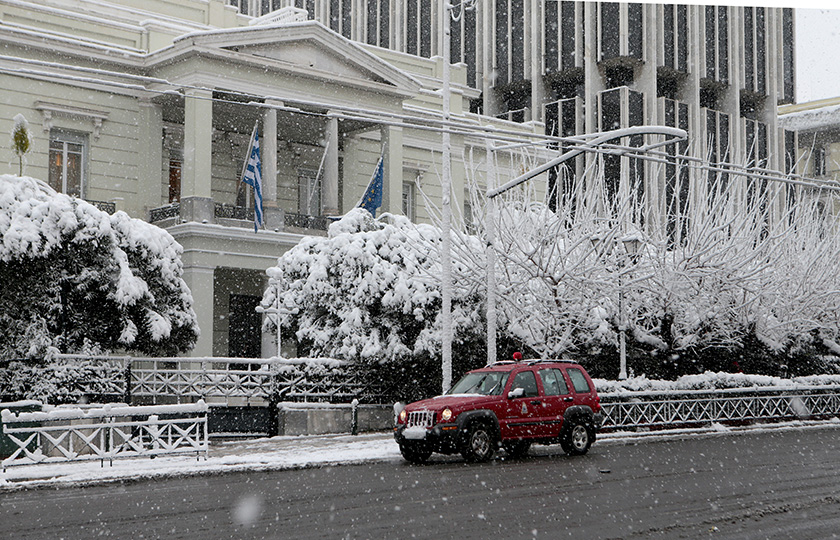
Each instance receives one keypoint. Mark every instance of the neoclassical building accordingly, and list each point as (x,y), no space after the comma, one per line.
(147,106)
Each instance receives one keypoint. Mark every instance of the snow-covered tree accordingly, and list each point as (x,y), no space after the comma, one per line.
(77,279)
(21,139)
(743,272)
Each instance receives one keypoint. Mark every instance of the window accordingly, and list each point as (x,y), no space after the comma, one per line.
(553,382)
(819,161)
(676,36)
(755,49)
(578,380)
(309,193)
(418,32)
(408,200)
(528,382)
(620,30)
(675,114)
(174,180)
(717,43)
(68,151)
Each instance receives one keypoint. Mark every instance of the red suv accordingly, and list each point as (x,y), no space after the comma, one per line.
(507,404)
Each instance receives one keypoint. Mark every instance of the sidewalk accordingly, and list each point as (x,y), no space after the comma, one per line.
(274,453)
(279,453)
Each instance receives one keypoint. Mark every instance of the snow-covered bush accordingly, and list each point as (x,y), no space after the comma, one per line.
(370,293)
(62,381)
(79,280)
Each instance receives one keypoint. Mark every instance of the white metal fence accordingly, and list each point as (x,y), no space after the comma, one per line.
(105,433)
(670,409)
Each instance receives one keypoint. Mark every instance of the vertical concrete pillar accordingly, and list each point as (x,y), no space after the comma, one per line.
(268,146)
(330,178)
(150,167)
(198,143)
(200,280)
(392,152)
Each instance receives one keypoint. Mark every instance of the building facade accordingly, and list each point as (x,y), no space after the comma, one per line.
(147,106)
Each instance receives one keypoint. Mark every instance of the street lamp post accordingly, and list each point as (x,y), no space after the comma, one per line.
(632,244)
(276,310)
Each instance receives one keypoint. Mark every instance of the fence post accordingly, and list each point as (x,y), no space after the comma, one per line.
(354,417)
(273,403)
(127,371)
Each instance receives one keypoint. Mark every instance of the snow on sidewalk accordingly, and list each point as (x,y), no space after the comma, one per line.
(279,453)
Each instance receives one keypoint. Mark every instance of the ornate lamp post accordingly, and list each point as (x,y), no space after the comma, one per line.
(277,310)
(632,244)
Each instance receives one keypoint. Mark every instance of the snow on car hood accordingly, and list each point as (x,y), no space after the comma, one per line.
(451,401)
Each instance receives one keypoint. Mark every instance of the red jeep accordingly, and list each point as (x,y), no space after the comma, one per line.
(508,404)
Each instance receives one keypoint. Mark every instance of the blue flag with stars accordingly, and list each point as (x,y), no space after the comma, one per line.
(372,199)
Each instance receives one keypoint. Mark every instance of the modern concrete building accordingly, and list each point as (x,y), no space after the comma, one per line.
(148,105)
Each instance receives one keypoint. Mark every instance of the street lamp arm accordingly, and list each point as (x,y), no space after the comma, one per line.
(676,133)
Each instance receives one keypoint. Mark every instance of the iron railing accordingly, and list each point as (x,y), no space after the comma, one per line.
(105,433)
(730,406)
(258,382)
(107,207)
(228,211)
(304,221)
(164,212)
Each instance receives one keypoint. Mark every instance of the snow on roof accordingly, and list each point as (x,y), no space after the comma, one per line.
(812,119)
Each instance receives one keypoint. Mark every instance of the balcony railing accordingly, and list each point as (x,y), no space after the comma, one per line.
(241,213)
(227,211)
(164,212)
(303,221)
(107,207)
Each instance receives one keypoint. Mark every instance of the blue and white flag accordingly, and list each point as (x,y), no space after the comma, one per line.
(372,199)
(253,177)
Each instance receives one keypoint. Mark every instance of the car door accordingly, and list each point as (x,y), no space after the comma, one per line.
(523,414)
(556,399)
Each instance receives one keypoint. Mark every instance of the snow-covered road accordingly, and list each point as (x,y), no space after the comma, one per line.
(278,453)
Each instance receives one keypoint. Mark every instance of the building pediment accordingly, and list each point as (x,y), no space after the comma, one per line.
(306,47)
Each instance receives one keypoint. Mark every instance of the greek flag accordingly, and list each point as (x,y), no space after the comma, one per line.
(372,199)
(253,177)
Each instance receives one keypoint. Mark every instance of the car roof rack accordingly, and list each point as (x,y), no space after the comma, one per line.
(501,363)
(551,361)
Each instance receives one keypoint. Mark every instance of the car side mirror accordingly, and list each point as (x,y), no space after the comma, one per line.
(516,392)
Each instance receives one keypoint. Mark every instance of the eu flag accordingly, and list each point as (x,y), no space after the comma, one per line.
(372,199)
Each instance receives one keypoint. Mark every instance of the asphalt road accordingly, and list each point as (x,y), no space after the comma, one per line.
(783,484)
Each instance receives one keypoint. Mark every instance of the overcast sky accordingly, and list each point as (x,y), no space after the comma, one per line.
(817,53)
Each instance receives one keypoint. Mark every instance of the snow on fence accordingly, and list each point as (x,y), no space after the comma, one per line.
(634,410)
(251,381)
(106,433)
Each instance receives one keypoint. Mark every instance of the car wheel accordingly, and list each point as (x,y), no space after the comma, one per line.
(517,449)
(413,454)
(577,439)
(480,444)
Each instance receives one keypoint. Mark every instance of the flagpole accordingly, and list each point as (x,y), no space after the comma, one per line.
(247,157)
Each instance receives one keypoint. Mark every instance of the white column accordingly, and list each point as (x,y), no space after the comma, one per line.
(201,283)
(268,145)
(151,148)
(330,178)
(198,142)
(392,152)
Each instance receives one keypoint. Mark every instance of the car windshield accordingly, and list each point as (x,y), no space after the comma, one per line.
(488,383)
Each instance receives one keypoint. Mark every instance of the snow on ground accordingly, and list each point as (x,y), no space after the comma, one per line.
(283,453)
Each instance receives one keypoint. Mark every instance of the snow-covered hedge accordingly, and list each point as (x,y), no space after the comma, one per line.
(61,381)
(711,381)
(78,279)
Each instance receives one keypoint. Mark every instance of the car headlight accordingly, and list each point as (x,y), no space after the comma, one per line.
(403,415)
(446,415)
